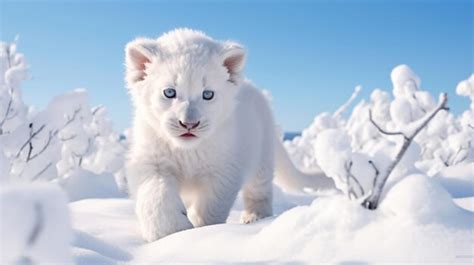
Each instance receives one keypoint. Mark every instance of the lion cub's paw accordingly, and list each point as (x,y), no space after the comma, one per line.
(250,217)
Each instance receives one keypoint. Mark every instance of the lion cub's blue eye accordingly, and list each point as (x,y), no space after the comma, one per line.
(169,93)
(207,94)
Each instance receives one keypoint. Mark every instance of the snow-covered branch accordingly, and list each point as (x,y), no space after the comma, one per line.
(8,113)
(409,134)
(343,108)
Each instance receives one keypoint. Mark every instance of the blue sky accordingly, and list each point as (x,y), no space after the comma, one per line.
(309,54)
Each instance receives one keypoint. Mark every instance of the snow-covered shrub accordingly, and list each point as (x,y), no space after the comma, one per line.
(377,137)
(447,141)
(301,149)
(68,143)
(53,143)
(353,172)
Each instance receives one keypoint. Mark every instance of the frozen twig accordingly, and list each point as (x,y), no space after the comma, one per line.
(41,171)
(380,128)
(51,135)
(30,138)
(350,176)
(346,105)
(45,146)
(9,114)
(373,200)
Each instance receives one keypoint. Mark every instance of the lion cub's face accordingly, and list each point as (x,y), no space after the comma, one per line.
(184,83)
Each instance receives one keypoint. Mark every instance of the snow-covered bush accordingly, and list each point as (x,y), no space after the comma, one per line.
(68,143)
(406,133)
(51,144)
(301,149)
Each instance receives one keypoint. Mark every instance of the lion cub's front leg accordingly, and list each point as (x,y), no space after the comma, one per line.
(214,200)
(257,195)
(159,208)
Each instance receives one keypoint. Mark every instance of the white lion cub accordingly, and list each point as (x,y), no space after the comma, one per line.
(201,132)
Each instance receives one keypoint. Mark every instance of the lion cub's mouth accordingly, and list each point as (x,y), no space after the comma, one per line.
(187,135)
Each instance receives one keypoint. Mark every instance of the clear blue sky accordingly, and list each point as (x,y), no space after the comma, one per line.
(309,54)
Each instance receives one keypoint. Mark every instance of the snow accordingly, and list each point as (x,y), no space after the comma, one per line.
(67,203)
(415,223)
(457,180)
(82,184)
(35,224)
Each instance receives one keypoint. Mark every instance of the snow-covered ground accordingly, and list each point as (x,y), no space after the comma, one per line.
(63,192)
(417,222)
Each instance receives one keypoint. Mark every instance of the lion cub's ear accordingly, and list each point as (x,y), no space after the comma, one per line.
(138,54)
(233,57)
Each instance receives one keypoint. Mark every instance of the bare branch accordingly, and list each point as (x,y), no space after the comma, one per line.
(51,135)
(7,112)
(7,115)
(96,109)
(45,146)
(33,135)
(416,99)
(42,171)
(350,176)
(30,144)
(376,172)
(421,123)
(373,200)
(70,119)
(380,128)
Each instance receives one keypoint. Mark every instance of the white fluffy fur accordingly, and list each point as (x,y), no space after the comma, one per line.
(179,182)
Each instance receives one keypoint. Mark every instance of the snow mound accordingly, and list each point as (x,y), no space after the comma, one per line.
(82,184)
(422,199)
(306,229)
(34,224)
(458,180)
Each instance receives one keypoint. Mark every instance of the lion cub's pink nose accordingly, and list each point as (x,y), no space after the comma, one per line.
(189,125)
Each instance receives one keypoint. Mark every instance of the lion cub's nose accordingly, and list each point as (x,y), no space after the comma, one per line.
(189,125)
